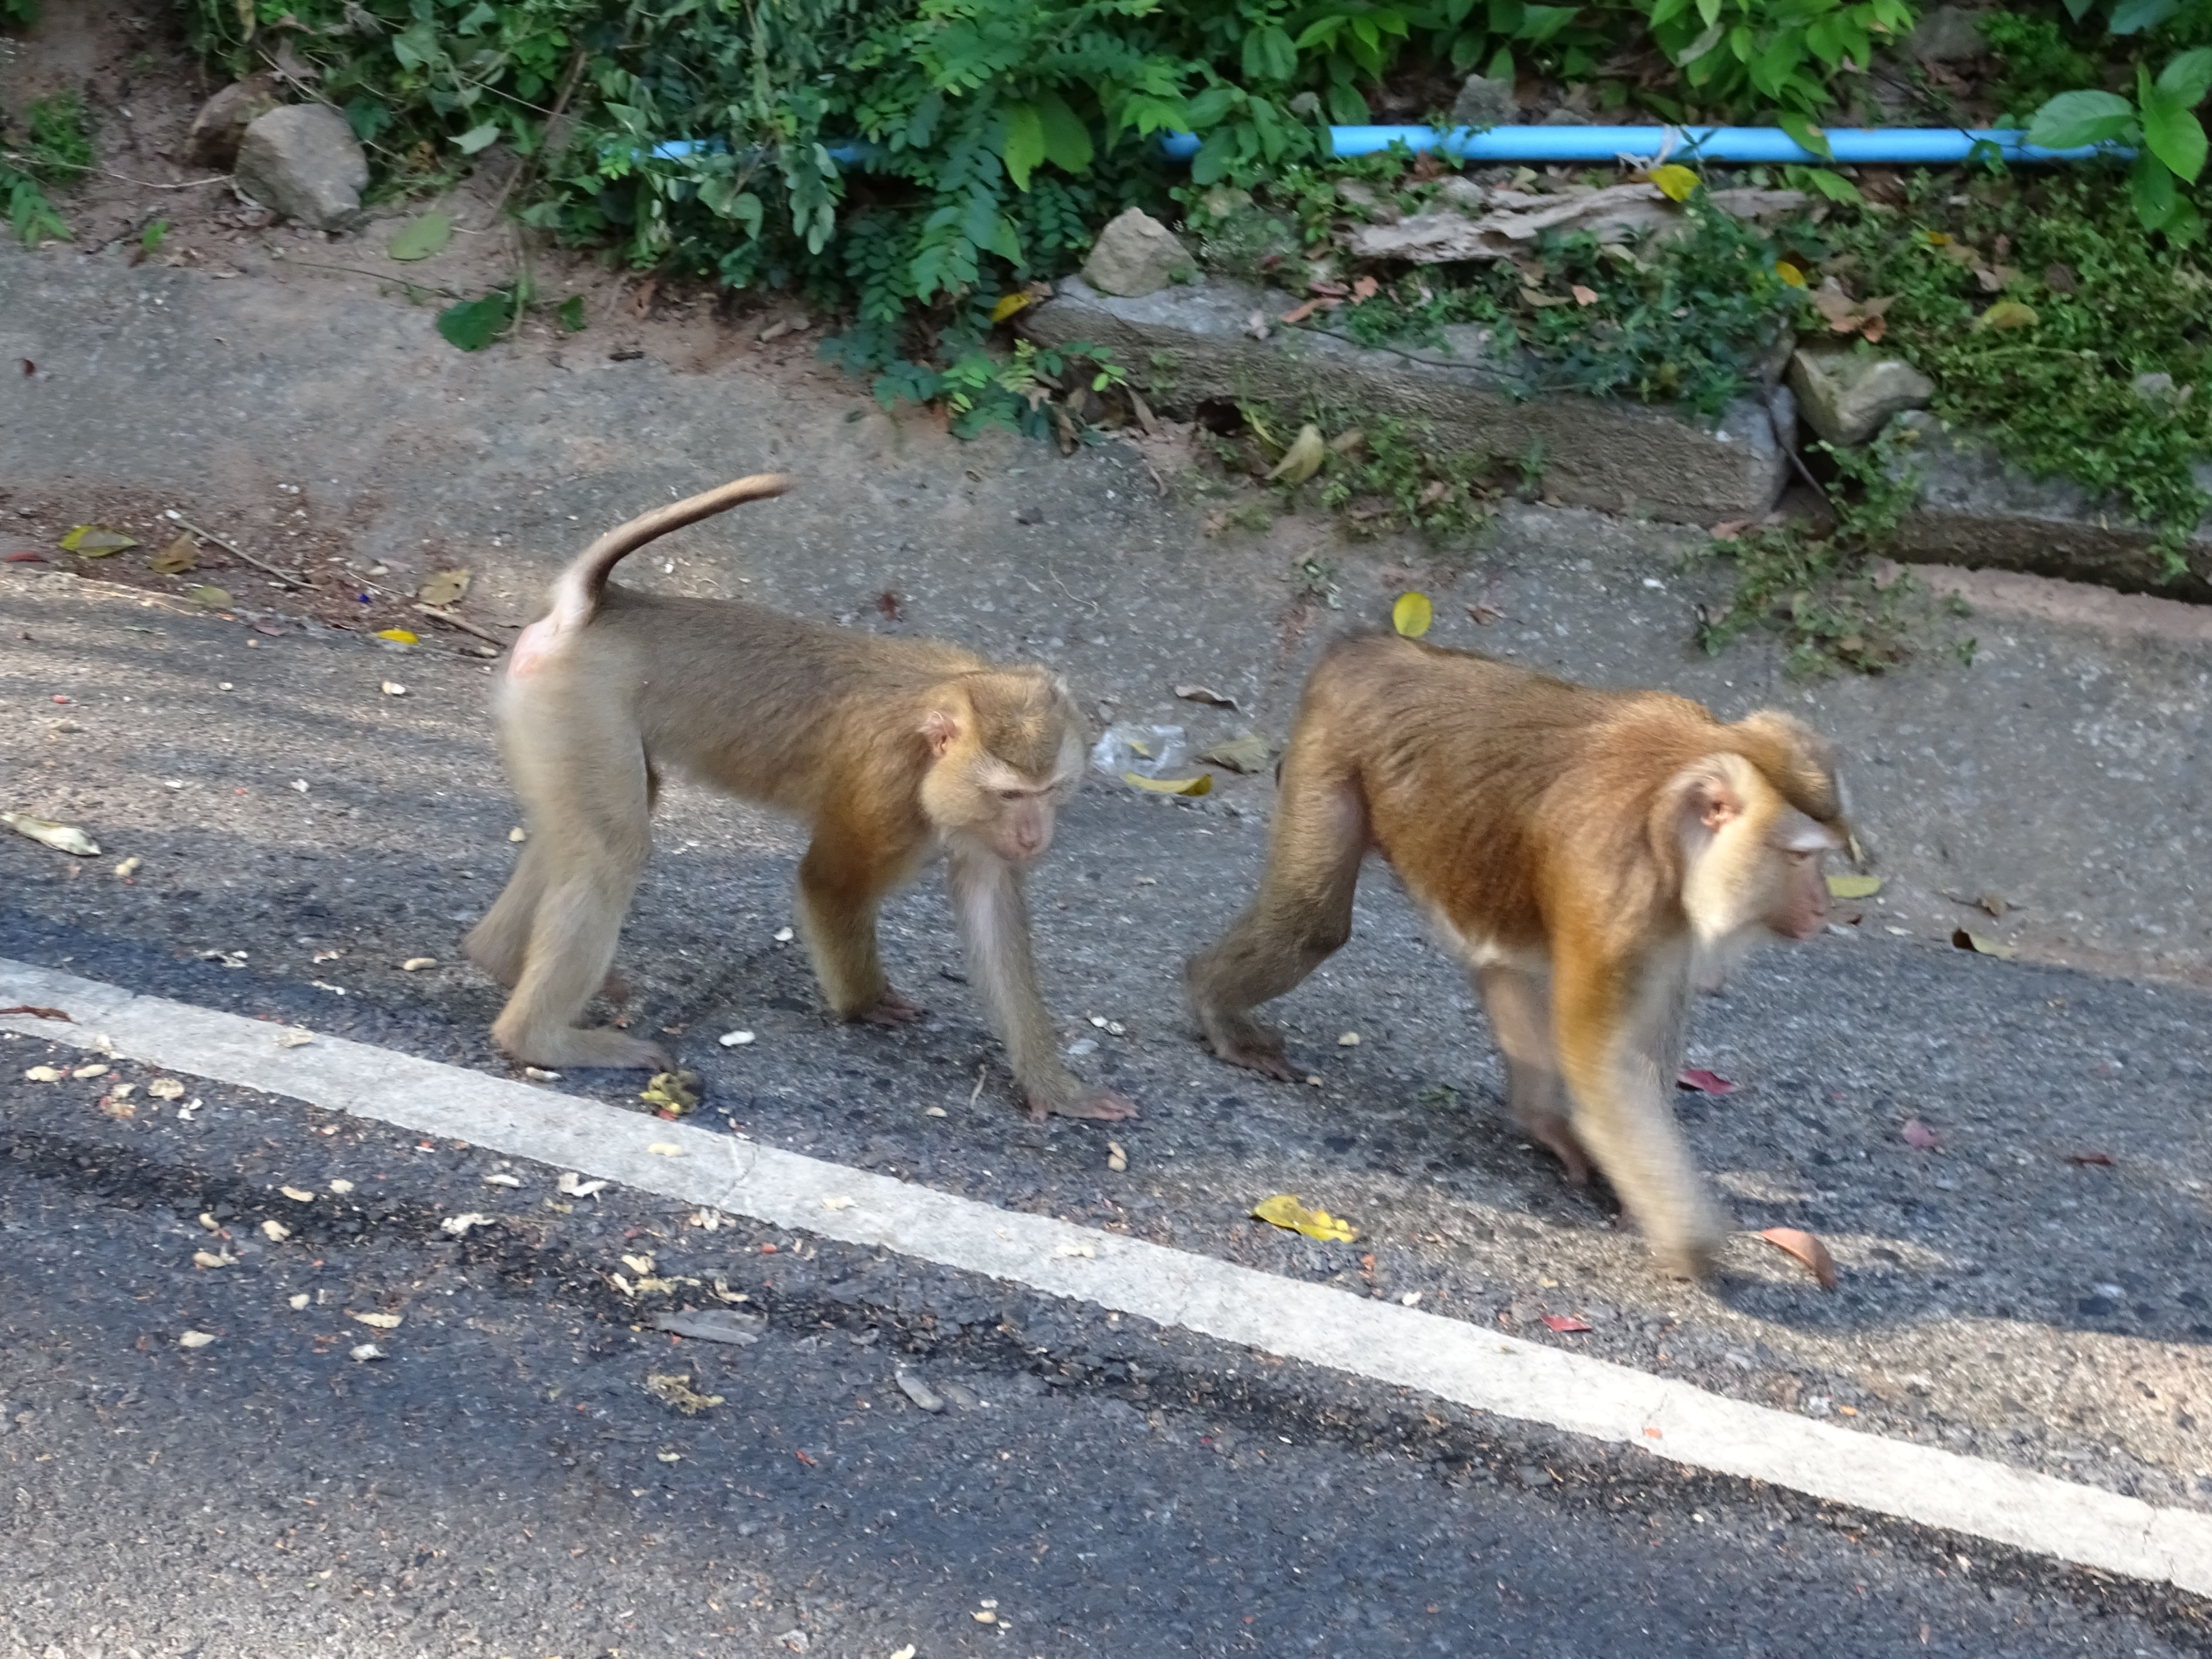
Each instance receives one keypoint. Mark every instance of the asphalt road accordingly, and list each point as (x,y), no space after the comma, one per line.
(517,1474)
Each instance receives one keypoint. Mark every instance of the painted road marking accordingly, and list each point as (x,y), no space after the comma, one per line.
(1390,1344)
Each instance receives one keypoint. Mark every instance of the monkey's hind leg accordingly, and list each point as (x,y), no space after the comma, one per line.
(1301,915)
(584,776)
(500,941)
(1519,1004)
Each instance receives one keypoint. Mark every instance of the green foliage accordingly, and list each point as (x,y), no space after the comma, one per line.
(472,324)
(2109,302)
(1817,589)
(1737,55)
(18,14)
(55,147)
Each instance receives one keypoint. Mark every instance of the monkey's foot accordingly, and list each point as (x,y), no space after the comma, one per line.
(1556,1138)
(1103,1105)
(1258,1052)
(615,988)
(598,1046)
(892,1009)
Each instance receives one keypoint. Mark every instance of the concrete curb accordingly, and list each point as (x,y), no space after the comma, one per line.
(1192,344)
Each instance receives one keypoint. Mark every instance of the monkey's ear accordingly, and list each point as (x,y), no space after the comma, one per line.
(940,729)
(1710,798)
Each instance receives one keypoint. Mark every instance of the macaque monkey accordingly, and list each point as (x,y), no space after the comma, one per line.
(1590,855)
(892,751)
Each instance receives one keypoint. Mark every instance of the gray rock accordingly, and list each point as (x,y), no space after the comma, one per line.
(1357,193)
(1946,35)
(1601,453)
(2158,388)
(920,1392)
(216,131)
(302,161)
(1847,396)
(1564,117)
(1976,510)
(1483,102)
(1136,254)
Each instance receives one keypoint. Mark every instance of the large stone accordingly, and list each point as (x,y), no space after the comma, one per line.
(1847,396)
(1946,35)
(218,129)
(1483,102)
(1977,511)
(1136,254)
(1195,345)
(302,161)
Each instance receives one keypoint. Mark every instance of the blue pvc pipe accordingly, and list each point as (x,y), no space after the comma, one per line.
(1901,146)
(1907,146)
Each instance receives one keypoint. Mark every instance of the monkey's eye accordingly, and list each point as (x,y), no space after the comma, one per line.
(1011,794)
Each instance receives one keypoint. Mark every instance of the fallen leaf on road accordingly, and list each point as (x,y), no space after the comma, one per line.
(95,1069)
(276,1231)
(37,1013)
(638,1264)
(713,1325)
(398,636)
(1807,1249)
(213,598)
(1412,615)
(166,1088)
(375,1322)
(499,1178)
(43,1074)
(419,238)
(416,964)
(1283,1209)
(2105,1159)
(296,1304)
(297,1194)
(1674,182)
(365,1352)
(1117,1160)
(294,1036)
(1301,460)
(678,1391)
(90,541)
(1249,754)
(674,1093)
(576,1185)
(1206,693)
(1704,1082)
(1583,296)
(1918,1134)
(195,1339)
(341,1185)
(444,587)
(179,556)
(211,1259)
(459,1226)
(658,1148)
(1198,786)
(1981,944)
(1564,1322)
(62,837)
(1854,887)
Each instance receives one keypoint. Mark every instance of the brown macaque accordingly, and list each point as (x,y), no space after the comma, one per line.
(1589,856)
(892,751)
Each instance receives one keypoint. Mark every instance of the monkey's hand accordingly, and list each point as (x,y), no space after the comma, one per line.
(892,1009)
(1100,1104)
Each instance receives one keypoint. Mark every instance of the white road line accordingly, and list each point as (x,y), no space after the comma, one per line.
(1390,1344)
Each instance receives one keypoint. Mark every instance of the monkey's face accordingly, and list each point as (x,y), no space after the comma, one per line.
(1753,861)
(1005,754)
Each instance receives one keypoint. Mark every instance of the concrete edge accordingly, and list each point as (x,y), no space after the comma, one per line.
(1382,1341)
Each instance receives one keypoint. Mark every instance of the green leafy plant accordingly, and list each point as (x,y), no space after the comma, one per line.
(1784,54)
(2160,123)
(56,147)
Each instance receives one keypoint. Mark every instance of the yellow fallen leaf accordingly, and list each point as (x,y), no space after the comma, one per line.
(62,837)
(396,636)
(376,1321)
(1983,944)
(1302,458)
(1676,183)
(1010,303)
(213,598)
(179,556)
(1412,615)
(1854,886)
(1789,273)
(91,542)
(1283,1209)
(1197,786)
(2008,313)
(443,588)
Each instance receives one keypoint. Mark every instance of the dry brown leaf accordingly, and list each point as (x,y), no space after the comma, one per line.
(1807,1249)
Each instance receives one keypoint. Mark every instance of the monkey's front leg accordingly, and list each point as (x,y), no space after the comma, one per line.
(1612,1027)
(994,928)
(838,890)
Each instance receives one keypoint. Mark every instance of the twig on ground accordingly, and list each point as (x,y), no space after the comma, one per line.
(466,626)
(283,576)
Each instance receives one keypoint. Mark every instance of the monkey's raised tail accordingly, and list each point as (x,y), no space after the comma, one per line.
(577,590)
